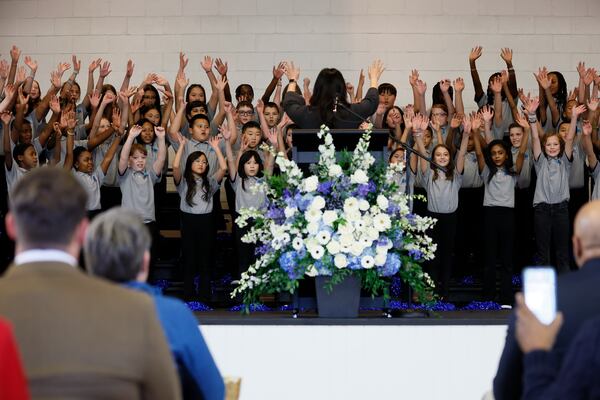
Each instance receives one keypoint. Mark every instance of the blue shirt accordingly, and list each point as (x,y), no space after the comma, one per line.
(197,369)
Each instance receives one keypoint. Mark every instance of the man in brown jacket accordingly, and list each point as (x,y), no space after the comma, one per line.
(79,337)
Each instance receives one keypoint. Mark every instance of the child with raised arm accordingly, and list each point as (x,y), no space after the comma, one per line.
(137,182)
(588,147)
(197,185)
(442,199)
(552,157)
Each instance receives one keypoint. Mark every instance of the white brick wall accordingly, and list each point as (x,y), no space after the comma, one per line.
(433,36)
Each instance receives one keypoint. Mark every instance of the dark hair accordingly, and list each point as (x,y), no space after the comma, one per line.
(238,90)
(286,89)
(329,86)
(145,109)
(141,123)
(487,154)
(515,125)
(271,104)
(77,152)
(194,104)
(244,158)
(397,149)
(385,115)
(250,124)
(48,204)
(197,117)
(561,95)
(20,150)
(190,179)
(490,93)
(189,90)
(149,87)
(109,108)
(449,168)
(244,103)
(387,88)
(138,147)
(437,96)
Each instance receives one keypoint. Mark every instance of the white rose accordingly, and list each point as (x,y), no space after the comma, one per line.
(317,252)
(297,243)
(350,204)
(382,222)
(333,247)
(345,228)
(335,170)
(329,217)
(313,214)
(382,202)
(340,261)
(318,203)
(363,205)
(356,249)
(323,237)
(353,215)
(312,227)
(310,184)
(380,259)
(367,262)
(289,212)
(346,239)
(359,177)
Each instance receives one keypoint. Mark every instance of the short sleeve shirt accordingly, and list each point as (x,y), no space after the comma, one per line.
(442,193)
(500,190)
(138,192)
(552,186)
(91,183)
(200,205)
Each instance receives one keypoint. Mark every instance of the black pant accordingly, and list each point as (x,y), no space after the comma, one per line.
(499,233)
(197,244)
(551,224)
(469,243)
(524,241)
(245,251)
(443,234)
(110,196)
(577,198)
(155,235)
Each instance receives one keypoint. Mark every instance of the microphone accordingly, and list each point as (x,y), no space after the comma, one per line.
(335,104)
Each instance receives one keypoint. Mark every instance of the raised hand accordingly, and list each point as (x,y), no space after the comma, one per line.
(504,77)
(221,83)
(531,105)
(456,120)
(130,92)
(159,131)
(506,54)
(55,104)
(15,53)
(32,64)
(421,87)
(496,84)
(593,104)
(307,82)
(292,72)
(260,106)
(58,126)
(182,81)
(55,79)
(279,70)
(581,69)
(182,140)
(135,131)
(522,121)
(94,64)
(206,64)
(129,68)
(5,117)
(10,90)
(161,80)
(62,67)
(590,74)
(413,77)
(76,63)
(71,120)
(116,117)
(228,107)
(459,84)
(542,78)
(445,85)
(467,124)
(577,111)
(375,70)
(573,94)
(213,142)
(225,132)
(109,97)
(21,75)
(183,61)
(22,98)
(475,53)
(4,69)
(272,136)
(105,69)
(586,127)
(221,66)
(487,113)
(476,122)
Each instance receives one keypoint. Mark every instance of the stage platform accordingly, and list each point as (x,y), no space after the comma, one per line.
(449,355)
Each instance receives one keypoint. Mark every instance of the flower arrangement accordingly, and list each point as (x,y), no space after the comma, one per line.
(348,217)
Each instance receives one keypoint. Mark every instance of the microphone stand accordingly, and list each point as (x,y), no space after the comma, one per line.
(387,313)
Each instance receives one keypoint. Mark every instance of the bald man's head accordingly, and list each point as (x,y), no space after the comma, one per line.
(586,233)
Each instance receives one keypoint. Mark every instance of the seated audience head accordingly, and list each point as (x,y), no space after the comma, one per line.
(586,233)
(117,246)
(48,211)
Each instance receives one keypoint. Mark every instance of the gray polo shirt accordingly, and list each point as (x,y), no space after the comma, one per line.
(500,190)
(498,132)
(245,197)
(552,185)
(577,173)
(138,192)
(13,175)
(442,193)
(596,175)
(111,177)
(91,183)
(525,176)
(471,177)
(200,206)
(192,146)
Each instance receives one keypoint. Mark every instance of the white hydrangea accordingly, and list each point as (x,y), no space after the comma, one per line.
(350,204)
(310,184)
(289,212)
(313,214)
(359,177)
(363,205)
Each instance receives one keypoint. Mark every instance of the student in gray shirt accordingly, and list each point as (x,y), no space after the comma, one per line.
(442,199)
(586,142)
(552,159)
(137,182)
(197,186)
(500,179)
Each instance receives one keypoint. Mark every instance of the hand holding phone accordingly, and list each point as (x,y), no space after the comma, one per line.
(539,288)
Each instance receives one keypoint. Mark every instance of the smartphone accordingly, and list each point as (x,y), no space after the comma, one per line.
(539,288)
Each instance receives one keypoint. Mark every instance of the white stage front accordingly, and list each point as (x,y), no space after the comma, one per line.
(358,361)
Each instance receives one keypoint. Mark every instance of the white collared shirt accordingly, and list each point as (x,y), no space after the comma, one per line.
(39,255)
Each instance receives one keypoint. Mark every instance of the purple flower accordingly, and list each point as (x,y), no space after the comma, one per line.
(391,266)
(416,254)
(325,187)
(362,190)
(262,250)
(275,213)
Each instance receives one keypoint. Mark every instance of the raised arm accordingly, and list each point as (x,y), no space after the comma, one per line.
(6,116)
(158,165)
(487,113)
(455,123)
(509,97)
(174,131)
(459,86)
(473,56)
(214,143)
(33,66)
(586,142)
(47,131)
(94,64)
(544,82)
(177,174)
(42,108)
(507,55)
(222,68)
(104,72)
(460,157)
(467,126)
(231,162)
(220,86)
(278,72)
(306,90)
(359,87)
(124,158)
(15,53)
(128,74)
(496,86)
(419,124)
(207,66)
(577,111)
(522,121)
(531,106)
(445,88)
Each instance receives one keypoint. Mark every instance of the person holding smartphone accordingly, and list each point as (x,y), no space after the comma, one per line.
(578,299)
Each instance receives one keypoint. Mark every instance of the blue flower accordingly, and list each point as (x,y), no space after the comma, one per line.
(362,190)
(325,187)
(354,262)
(323,265)
(416,254)
(275,213)
(288,262)
(391,266)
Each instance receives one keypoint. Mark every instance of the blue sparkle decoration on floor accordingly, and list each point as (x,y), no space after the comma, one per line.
(467,280)
(396,286)
(482,305)
(516,280)
(198,306)
(437,306)
(256,307)
(162,284)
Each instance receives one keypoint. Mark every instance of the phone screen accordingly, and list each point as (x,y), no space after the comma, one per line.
(539,287)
